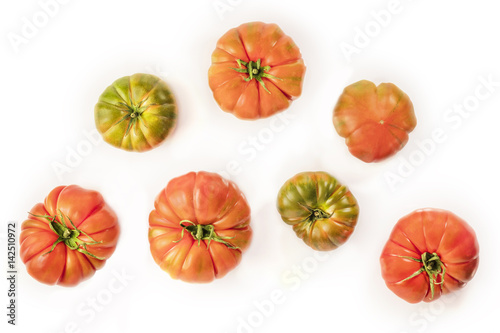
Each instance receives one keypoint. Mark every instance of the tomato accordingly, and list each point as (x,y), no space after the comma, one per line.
(199,228)
(69,236)
(323,212)
(375,121)
(430,252)
(136,113)
(256,71)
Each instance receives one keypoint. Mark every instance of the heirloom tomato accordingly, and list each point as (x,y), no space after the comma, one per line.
(199,228)
(136,113)
(430,252)
(256,71)
(323,212)
(69,236)
(375,121)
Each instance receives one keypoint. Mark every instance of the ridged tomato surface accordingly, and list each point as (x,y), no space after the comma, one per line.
(322,211)
(374,120)
(88,233)
(430,252)
(136,113)
(256,71)
(199,228)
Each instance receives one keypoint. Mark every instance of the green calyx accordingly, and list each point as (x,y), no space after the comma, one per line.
(203,232)
(254,71)
(432,265)
(68,236)
(316,214)
(133,113)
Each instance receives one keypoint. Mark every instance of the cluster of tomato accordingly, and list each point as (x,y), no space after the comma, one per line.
(200,224)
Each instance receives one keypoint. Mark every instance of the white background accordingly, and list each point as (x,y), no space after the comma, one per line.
(437,52)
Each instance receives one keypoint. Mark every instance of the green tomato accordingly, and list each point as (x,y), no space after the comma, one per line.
(136,112)
(323,212)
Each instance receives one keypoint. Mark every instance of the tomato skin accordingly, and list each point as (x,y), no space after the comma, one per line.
(280,84)
(310,193)
(429,231)
(63,266)
(375,121)
(205,200)
(136,113)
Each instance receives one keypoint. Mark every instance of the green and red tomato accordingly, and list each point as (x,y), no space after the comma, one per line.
(322,212)
(136,113)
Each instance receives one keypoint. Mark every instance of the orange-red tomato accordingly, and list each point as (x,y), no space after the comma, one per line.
(256,71)
(430,252)
(375,121)
(69,236)
(199,227)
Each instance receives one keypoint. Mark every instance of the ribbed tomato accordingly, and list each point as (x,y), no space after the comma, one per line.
(136,112)
(256,71)
(199,228)
(375,121)
(430,252)
(323,212)
(68,237)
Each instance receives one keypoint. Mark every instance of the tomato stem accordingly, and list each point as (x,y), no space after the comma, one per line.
(432,265)
(68,236)
(134,112)
(255,71)
(203,232)
(315,213)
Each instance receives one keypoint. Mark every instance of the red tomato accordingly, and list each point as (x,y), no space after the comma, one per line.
(68,237)
(375,121)
(430,252)
(199,227)
(256,71)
